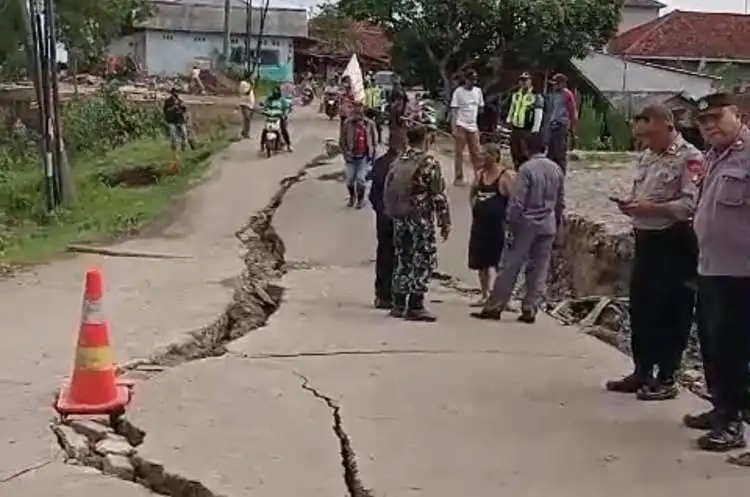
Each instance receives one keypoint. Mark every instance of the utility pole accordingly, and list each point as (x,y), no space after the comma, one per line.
(248,31)
(263,13)
(227,34)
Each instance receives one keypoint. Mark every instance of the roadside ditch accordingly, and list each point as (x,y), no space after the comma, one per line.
(113,450)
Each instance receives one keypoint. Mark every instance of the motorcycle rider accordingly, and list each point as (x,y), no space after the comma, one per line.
(277,102)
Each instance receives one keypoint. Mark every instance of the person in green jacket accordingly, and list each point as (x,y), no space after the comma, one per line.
(374,106)
(278,105)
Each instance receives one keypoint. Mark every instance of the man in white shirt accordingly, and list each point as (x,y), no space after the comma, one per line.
(466,104)
(247,106)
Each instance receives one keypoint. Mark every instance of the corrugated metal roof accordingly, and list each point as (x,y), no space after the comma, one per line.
(207,16)
(644,3)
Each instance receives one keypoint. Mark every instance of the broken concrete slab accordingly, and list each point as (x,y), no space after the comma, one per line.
(114,444)
(75,445)
(119,466)
(239,428)
(65,480)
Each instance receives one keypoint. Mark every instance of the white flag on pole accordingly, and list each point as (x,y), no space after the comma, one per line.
(355,76)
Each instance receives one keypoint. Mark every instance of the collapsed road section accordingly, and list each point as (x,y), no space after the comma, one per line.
(121,451)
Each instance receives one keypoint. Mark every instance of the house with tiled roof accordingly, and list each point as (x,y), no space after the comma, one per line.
(698,41)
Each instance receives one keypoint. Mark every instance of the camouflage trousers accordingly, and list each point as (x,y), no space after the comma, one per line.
(415,250)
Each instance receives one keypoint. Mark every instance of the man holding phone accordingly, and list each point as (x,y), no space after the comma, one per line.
(661,205)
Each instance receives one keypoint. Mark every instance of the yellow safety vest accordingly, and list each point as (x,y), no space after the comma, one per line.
(520,104)
(373,98)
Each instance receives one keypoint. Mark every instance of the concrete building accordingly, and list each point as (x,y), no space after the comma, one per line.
(630,85)
(186,32)
(637,12)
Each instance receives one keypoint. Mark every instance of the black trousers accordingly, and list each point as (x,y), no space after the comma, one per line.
(707,358)
(384,257)
(725,309)
(516,153)
(661,300)
(557,146)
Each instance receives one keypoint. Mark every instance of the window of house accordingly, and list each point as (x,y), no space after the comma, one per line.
(199,39)
(269,57)
(167,36)
(235,41)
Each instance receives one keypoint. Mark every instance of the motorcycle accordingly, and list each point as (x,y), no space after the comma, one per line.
(270,138)
(331,106)
(307,95)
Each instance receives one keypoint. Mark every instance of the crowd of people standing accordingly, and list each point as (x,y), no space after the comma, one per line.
(690,216)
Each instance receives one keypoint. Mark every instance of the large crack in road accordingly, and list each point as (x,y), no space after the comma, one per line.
(113,450)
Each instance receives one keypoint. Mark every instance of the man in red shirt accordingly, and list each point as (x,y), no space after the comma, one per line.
(358,142)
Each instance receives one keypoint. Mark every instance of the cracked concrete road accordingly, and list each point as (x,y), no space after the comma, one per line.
(454,408)
(149,303)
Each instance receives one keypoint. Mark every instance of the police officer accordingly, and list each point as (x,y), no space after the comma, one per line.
(534,215)
(662,299)
(524,115)
(415,198)
(722,225)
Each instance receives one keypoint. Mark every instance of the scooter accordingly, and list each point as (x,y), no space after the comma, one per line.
(307,95)
(331,106)
(270,138)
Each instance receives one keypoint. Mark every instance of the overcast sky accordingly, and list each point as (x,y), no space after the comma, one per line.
(715,5)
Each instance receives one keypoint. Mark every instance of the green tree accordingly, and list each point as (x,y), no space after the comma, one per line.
(443,38)
(84,27)
(331,26)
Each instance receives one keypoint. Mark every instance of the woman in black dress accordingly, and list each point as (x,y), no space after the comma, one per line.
(489,199)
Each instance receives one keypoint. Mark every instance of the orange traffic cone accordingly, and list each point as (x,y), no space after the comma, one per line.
(93,388)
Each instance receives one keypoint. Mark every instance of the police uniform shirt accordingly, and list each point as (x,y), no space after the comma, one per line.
(668,178)
(722,217)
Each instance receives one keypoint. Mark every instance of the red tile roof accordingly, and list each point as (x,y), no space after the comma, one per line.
(688,34)
(364,39)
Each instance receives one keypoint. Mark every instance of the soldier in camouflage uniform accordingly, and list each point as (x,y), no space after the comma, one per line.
(414,234)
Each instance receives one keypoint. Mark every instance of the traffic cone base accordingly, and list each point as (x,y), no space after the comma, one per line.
(93,387)
(66,405)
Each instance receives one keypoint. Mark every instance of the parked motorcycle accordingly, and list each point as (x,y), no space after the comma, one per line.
(331,105)
(307,95)
(270,137)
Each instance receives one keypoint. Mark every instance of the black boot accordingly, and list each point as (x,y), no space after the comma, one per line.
(705,421)
(527,316)
(659,389)
(352,197)
(629,384)
(382,303)
(416,310)
(488,314)
(725,436)
(398,305)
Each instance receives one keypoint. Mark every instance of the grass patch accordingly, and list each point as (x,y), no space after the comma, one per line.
(103,213)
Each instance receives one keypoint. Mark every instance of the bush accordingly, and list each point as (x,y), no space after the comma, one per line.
(91,124)
(107,120)
(590,127)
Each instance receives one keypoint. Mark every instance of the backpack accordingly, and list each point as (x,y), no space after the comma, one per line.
(397,188)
